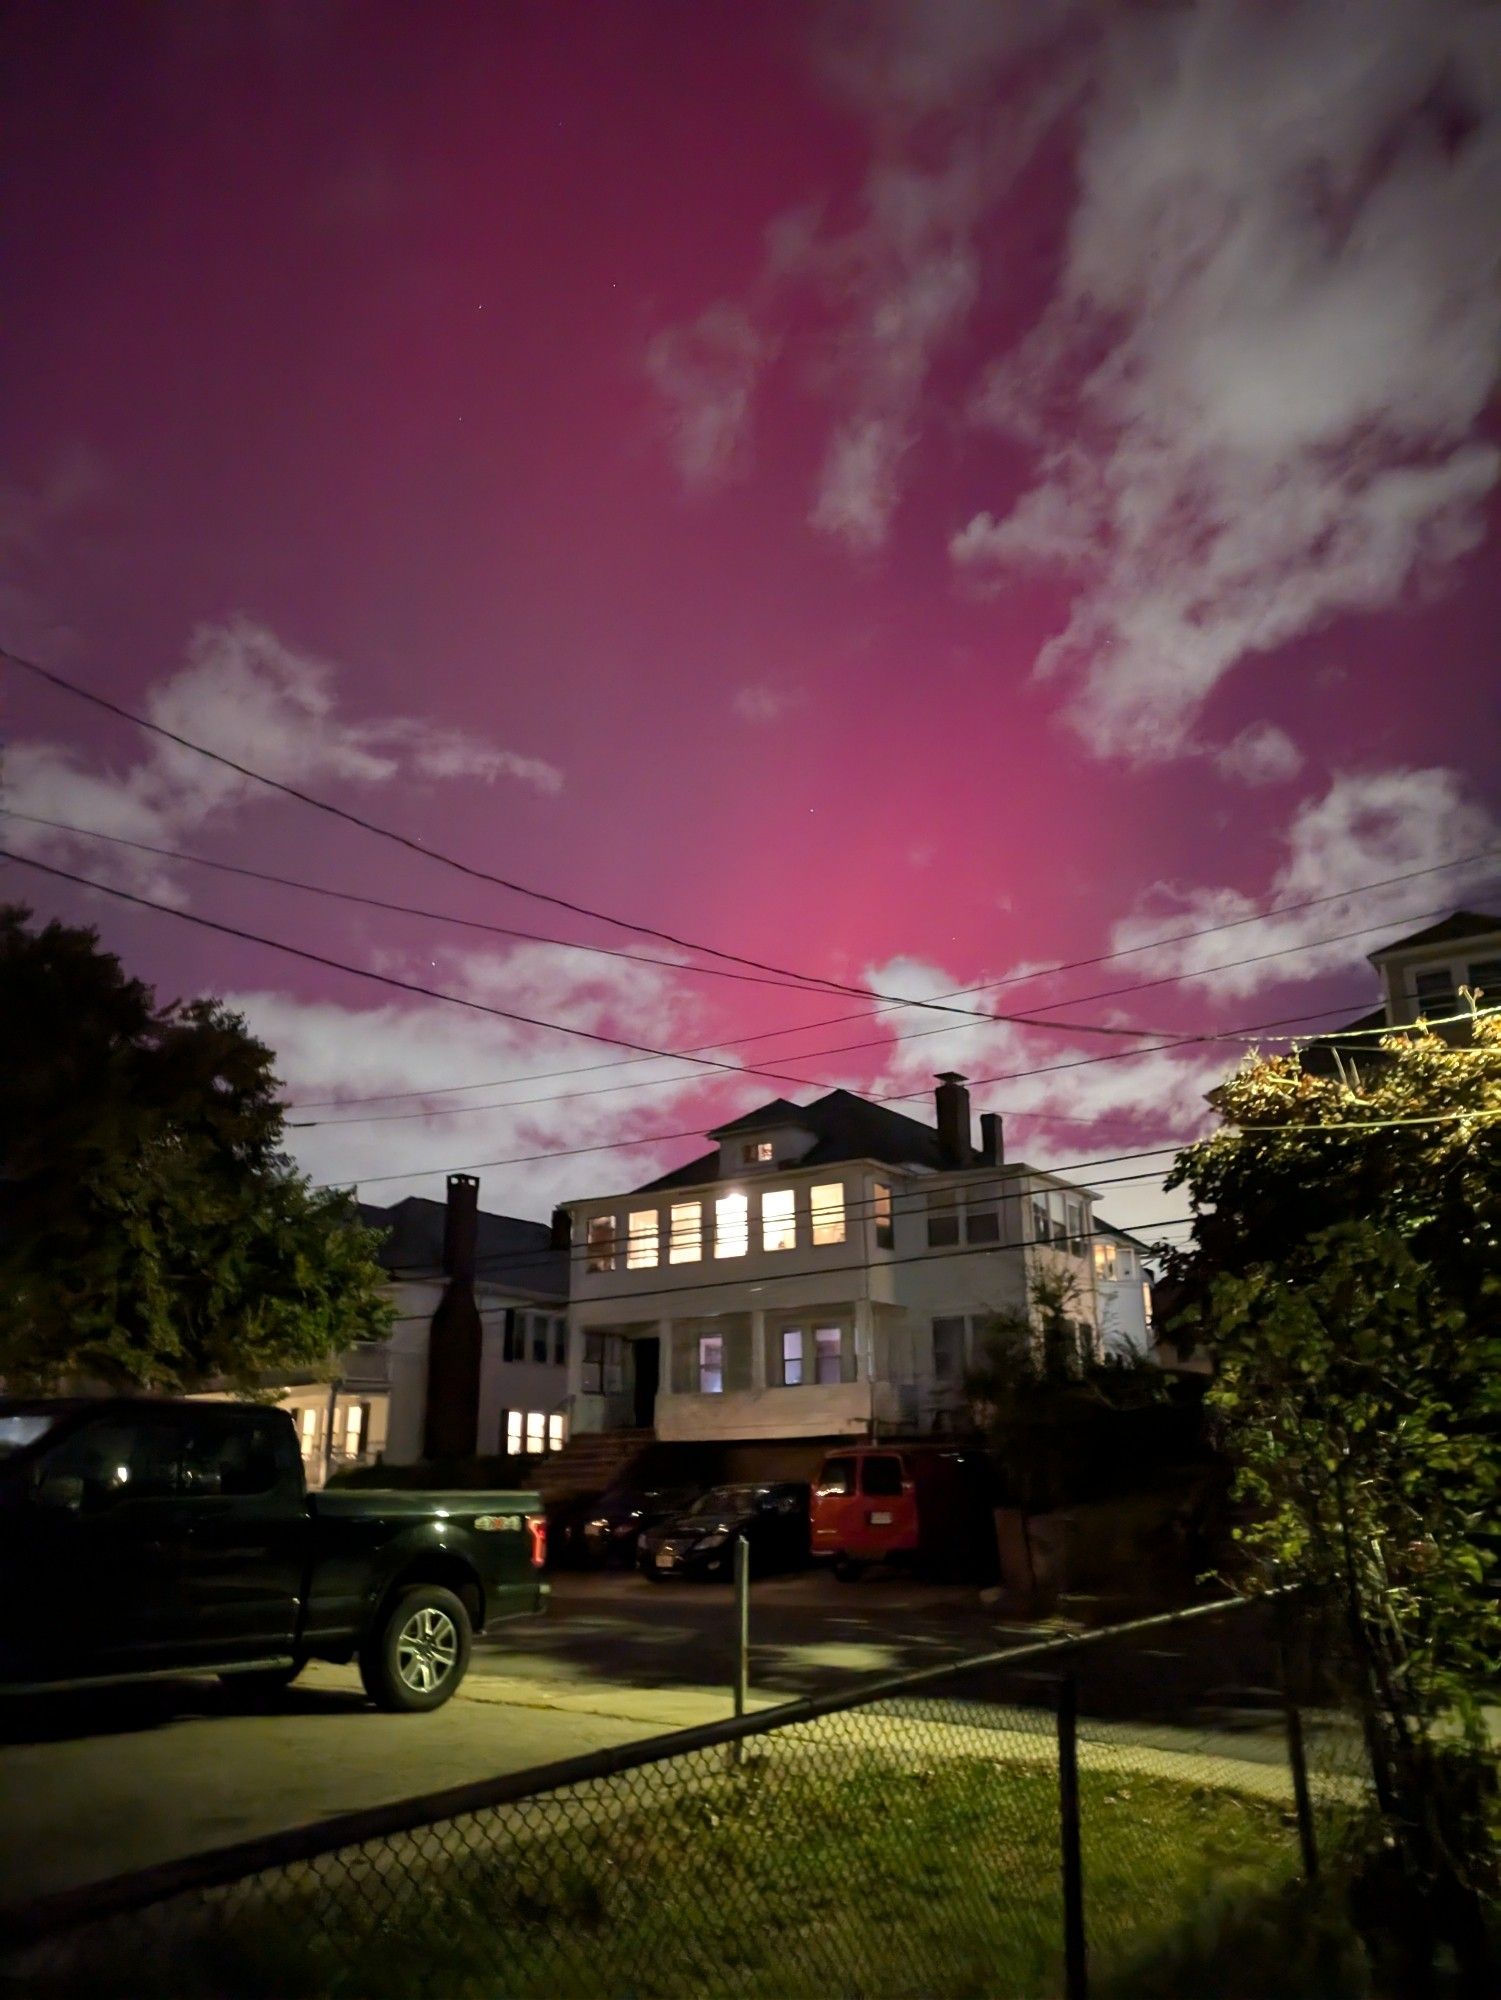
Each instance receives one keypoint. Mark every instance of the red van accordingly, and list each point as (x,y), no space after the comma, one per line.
(896,1503)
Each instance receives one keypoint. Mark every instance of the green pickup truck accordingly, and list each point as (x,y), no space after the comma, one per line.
(141,1538)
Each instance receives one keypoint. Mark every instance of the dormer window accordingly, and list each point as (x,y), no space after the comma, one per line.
(1435,994)
(758,1153)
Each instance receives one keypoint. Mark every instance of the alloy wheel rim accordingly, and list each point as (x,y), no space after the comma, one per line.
(426,1650)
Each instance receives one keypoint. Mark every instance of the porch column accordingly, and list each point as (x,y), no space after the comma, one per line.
(665,1382)
(762,1375)
(865,1340)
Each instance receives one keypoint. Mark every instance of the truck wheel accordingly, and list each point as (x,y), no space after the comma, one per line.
(419,1650)
(847,1569)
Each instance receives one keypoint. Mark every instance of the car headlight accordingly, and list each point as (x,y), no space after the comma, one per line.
(596,1527)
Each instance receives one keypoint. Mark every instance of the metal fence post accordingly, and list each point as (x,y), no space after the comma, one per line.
(742,1633)
(1075,1961)
(1296,1756)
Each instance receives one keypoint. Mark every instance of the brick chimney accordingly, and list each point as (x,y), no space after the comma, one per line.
(450,1426)
(992,1139)
(952,1099)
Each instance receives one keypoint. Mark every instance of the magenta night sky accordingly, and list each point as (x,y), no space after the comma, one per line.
(908,493)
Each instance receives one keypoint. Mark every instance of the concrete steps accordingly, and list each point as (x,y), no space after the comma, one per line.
(589,1462)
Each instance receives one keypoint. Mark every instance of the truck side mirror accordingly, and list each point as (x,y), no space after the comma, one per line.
(61,1493)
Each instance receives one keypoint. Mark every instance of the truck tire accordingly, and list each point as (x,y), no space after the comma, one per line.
(418,1651)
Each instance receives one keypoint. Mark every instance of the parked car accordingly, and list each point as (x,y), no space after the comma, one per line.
(620,1517)
(700,1542)
(915,1506)
(150,1537)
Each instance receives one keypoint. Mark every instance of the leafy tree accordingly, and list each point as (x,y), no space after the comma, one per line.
(153,1235)
(1345,1274)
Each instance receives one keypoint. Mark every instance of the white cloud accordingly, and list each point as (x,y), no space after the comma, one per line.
(1276,330)
(1262,754)
(706,375)
(1367,826)
(329,1050)
(761,701)
(244,693)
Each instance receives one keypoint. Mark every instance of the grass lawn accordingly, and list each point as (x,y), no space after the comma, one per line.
(846,1879)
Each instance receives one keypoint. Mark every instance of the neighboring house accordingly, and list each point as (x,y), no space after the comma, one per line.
(1123,1288)
(477,1360)
(1421,975)
(826,1271)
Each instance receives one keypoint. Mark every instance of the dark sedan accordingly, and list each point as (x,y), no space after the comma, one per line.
(701,1542)
(619,1518)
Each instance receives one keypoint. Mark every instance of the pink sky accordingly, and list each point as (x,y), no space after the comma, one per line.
(885,490)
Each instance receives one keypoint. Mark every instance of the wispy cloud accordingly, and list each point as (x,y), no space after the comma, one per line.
(706,375)
(1256,391)
(1262,754)
(763,701)
(1365,827)
(244,692)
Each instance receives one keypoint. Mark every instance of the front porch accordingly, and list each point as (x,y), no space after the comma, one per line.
(822,1372)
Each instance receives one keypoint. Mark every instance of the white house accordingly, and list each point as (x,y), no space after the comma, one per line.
(1421,974)
(1123,1289)
(826,1270)
(477,1360)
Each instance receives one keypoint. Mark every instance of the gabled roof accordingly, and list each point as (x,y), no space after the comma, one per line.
(1460,924)
(780,1111)
(1104,1228)
(845,1127)
(510,1251)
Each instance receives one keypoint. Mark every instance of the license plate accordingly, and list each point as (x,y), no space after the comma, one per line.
(665,1558)
(880,1520)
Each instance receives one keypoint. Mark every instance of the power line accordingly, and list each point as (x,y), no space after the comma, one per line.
(806,1055)
(814,980)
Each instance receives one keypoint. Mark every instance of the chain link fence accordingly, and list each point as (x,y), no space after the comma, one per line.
(1027,1823)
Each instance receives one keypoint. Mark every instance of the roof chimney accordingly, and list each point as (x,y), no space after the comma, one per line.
(952,1100)
(461,1227)
(992,1139)
(562,1229)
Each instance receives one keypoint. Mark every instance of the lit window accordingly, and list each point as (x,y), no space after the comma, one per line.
(885,1226)
(354,1428)
(759,1153)
(1146,1302)
(309,1429)
(828,1213)
(792,1356)
(1105,1260)
(513,1433)
(601,1243)
(536,1433)
(778,1221)
(557,1433)
(641,1239)
(711,1364)
(732,1225)
(828,1354)
(686,1235)
(943,1217)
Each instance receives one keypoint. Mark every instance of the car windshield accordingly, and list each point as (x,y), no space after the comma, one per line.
(20,1428)
(728,1500)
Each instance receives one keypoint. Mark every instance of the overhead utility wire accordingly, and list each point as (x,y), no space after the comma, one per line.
(814,980)
(502,930)
(480,1006)
(805,1055)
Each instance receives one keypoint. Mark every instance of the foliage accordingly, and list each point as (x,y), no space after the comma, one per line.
(1348,1284)
(152,1232)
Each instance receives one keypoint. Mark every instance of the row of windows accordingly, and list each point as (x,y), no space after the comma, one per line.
(351,1429)
(1113,1260)
(534,1336)
(725,1228)
(692,1231)
(532,1433)
(1437,992)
